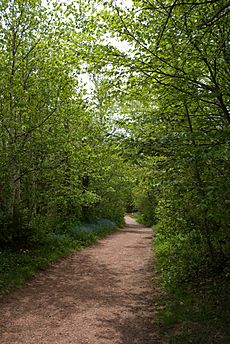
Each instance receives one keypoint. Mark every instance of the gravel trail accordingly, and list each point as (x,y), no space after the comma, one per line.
(101,295)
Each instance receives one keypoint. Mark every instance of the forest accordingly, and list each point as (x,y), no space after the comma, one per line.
(109,107)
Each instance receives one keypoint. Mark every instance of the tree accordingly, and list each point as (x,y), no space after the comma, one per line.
(56,159)
(178,80)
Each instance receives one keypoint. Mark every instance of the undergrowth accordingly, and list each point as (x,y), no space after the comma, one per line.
(140,218)
(194,303)
(194,306)
(198,314)
(18,265)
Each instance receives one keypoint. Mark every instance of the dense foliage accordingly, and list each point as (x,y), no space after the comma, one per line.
(151,123)
(57,162)
(114,105)
(177,125)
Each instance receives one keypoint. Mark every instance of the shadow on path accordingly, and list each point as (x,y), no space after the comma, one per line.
(101,295)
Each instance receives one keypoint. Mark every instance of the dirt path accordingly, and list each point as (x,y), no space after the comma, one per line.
(101,295)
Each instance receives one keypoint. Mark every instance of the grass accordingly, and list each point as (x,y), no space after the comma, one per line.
(194,306)
(19,266)
(193,311)
(198,315)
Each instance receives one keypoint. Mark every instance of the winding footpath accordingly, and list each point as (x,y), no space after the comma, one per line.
(101,295)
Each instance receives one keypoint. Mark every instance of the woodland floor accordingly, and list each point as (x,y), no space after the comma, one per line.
(101,295)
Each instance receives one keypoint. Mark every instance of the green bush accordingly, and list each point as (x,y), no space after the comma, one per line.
(145,201)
